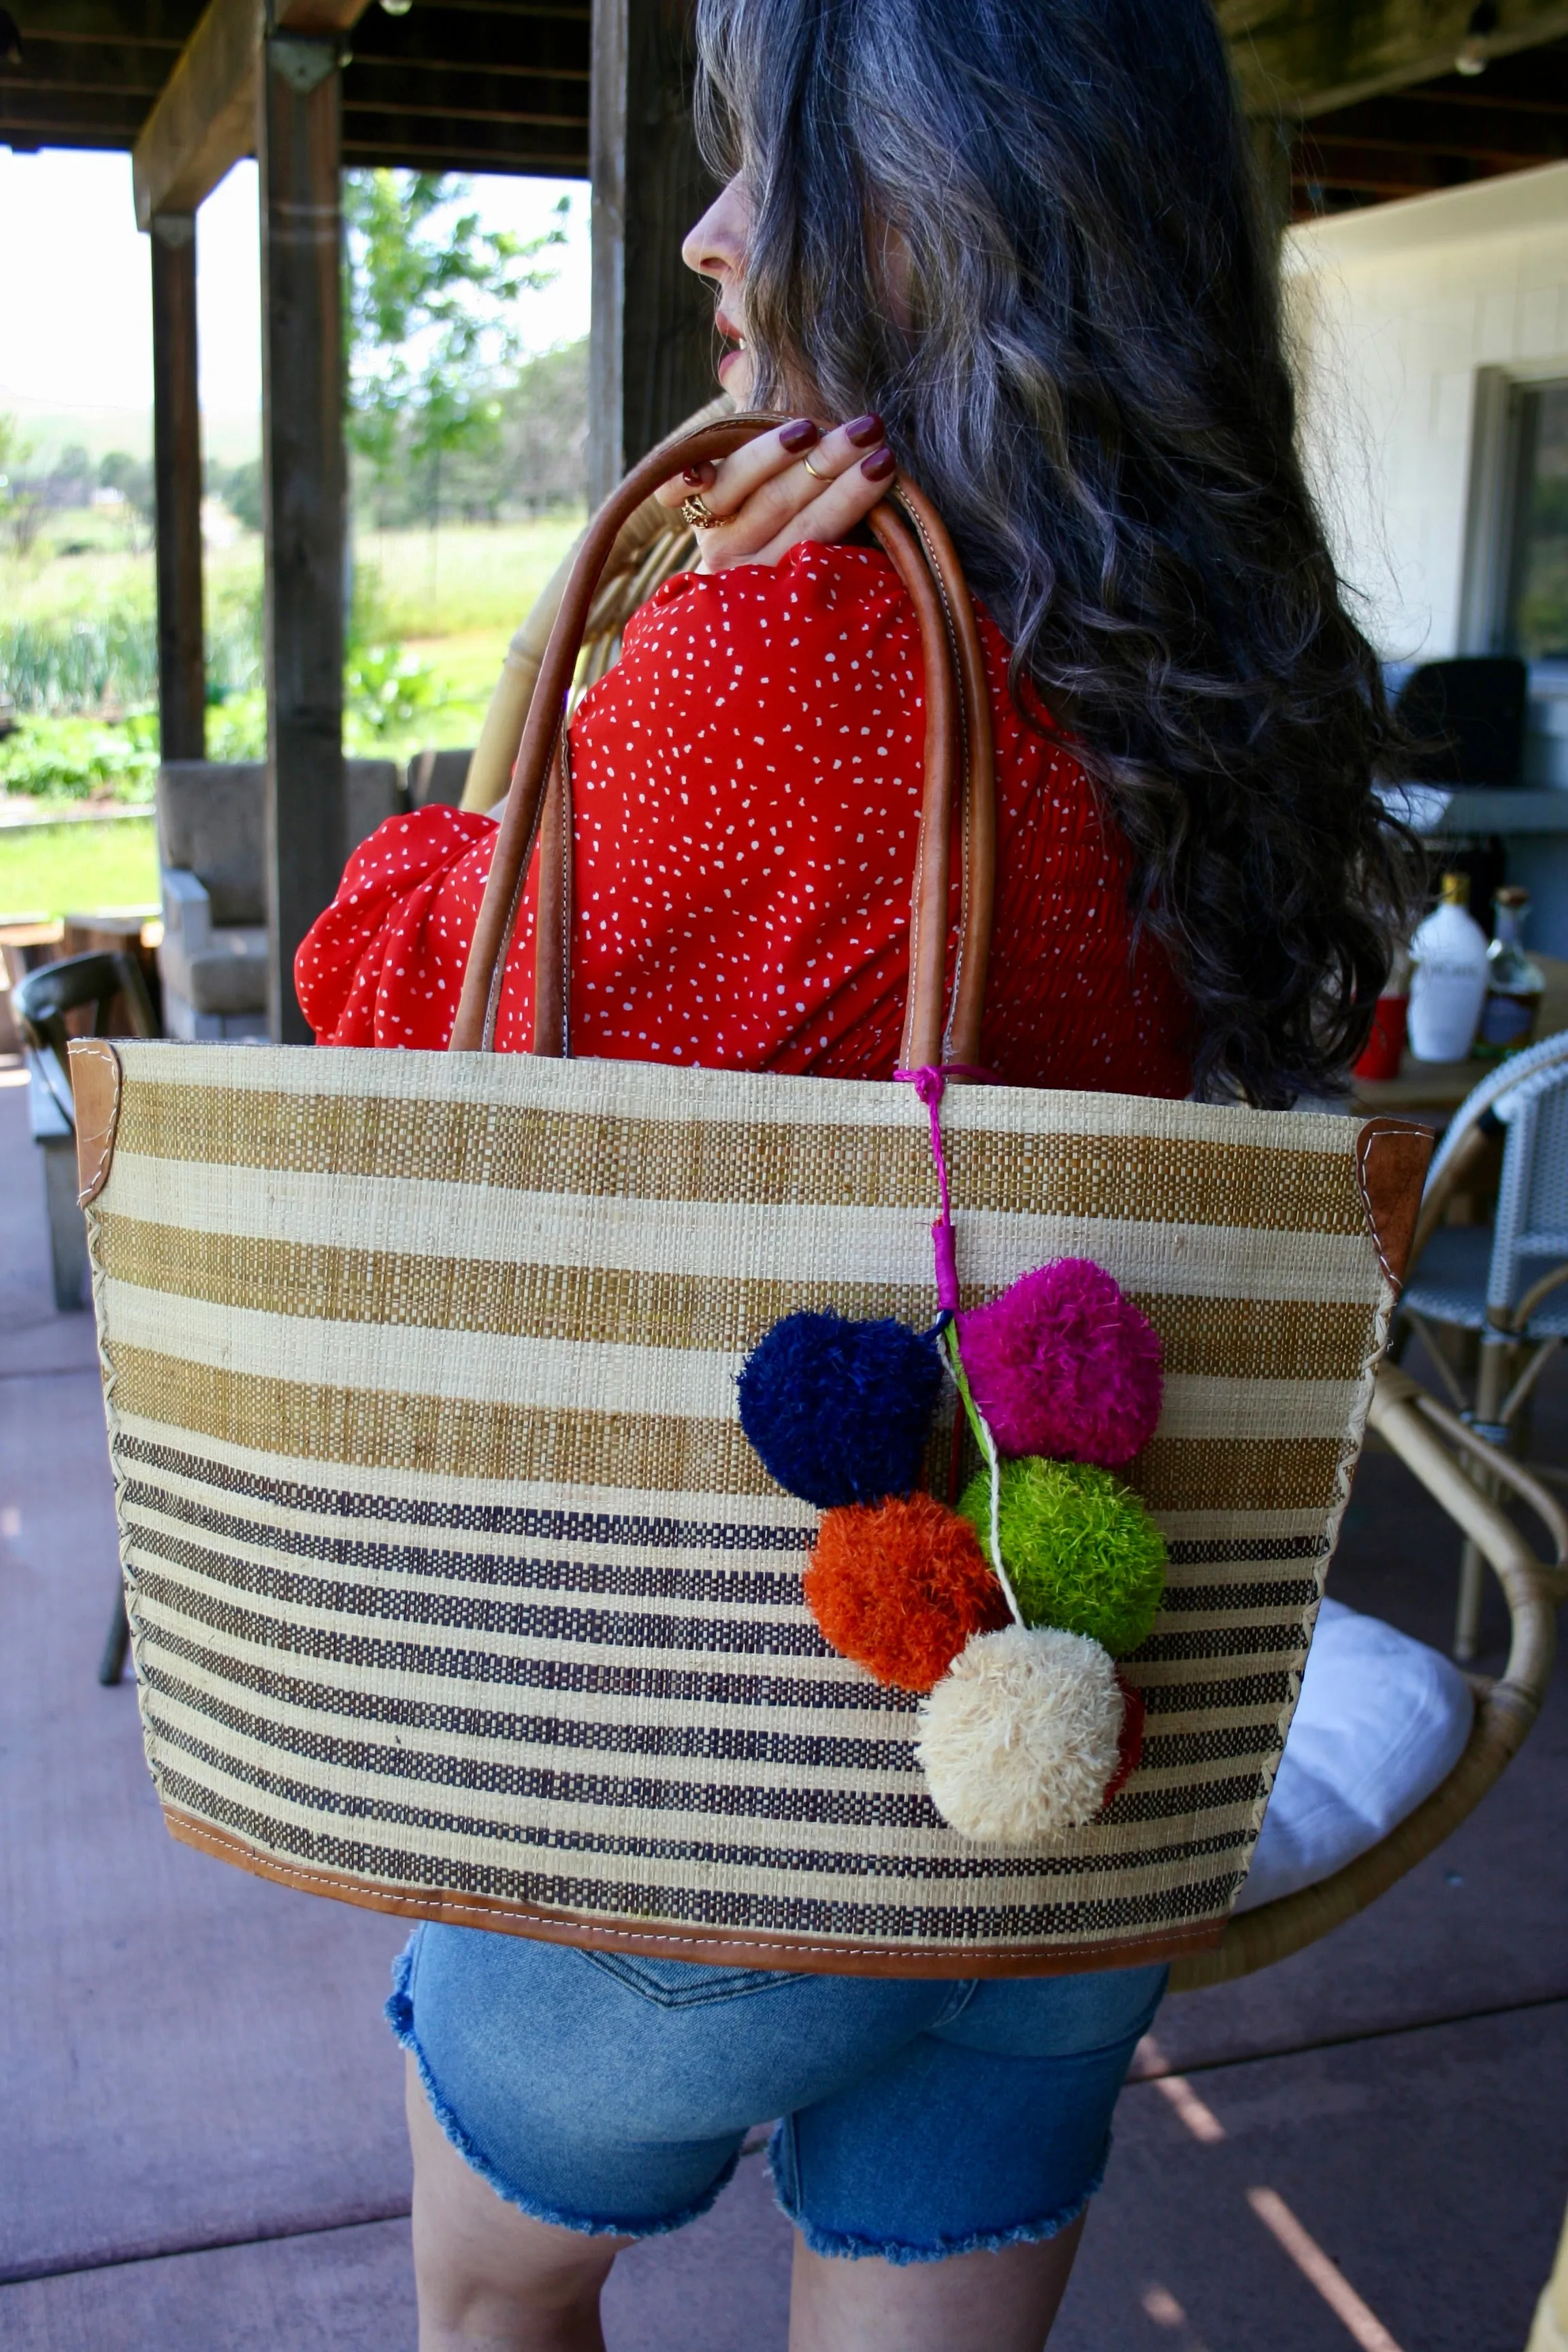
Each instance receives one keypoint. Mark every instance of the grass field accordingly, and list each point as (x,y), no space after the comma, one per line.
(451,598)
(61,869)
(427,585)
(465,577)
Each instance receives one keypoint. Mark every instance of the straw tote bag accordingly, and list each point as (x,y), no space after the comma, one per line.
(455,1587)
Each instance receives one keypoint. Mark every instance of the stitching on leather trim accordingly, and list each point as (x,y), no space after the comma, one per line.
(1366,1143)
(89,1192)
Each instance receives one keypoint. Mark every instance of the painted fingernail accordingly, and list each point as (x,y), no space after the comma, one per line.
(697,477)
(802,435)
(863,431)
(878,465)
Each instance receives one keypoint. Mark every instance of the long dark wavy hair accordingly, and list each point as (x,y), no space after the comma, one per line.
(1027,234)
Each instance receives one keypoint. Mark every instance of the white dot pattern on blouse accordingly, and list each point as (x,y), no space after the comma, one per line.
(747,785)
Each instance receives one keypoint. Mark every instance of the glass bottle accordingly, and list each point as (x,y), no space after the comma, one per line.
(1448,982)
(1514,983)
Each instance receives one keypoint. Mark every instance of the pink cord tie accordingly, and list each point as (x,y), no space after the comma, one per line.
(930,1084)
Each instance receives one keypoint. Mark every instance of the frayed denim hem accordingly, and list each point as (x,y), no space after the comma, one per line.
(399,2014)
(840,2245)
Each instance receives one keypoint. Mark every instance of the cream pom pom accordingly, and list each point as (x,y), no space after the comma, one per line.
(1019,1738)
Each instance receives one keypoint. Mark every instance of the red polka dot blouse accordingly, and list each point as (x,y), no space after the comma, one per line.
(747,785)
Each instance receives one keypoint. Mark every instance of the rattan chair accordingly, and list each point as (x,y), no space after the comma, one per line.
(1505,1282)
(1432,1441)
(42,1000)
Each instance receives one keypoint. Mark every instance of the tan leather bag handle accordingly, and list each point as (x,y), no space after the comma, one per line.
(958,735)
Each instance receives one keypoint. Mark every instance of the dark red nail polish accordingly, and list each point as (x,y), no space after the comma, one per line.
(697,477)
(863,431)
(878,465)
(802,435)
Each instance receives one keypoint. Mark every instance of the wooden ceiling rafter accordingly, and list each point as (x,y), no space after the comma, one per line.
(1445,133)
(453,86)
(502,86)
(1299,59)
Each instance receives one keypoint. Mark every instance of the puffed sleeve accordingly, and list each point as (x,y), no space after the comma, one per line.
(384,965)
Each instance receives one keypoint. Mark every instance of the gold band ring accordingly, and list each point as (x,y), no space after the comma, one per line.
(696,511)
(811,469)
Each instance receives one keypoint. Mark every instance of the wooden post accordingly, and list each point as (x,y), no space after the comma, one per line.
(651,354)
(177,477)
(298,148)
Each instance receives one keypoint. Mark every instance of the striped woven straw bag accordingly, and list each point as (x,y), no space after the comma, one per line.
(455,1588)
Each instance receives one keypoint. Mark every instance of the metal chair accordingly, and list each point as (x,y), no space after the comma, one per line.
(42,998)
(41,1002)
(1505,1282)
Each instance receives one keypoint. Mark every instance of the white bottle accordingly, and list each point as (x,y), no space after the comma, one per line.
(1448,979)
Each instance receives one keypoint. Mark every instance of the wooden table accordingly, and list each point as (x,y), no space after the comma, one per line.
(110,931)
(1433,1091)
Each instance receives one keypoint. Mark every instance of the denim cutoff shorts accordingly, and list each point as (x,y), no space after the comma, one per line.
(921,2118)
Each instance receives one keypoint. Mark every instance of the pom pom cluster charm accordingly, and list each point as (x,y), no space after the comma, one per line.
(1007,1614)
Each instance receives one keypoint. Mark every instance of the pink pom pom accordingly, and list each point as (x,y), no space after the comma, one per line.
(1063,1364)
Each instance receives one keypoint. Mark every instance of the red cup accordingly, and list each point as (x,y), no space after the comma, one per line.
(1385,1046)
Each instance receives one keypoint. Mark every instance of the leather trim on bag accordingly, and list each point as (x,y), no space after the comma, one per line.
(1392,1156)
(95,1076)
(821,1957)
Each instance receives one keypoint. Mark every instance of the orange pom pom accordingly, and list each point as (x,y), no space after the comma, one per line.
(900,1586)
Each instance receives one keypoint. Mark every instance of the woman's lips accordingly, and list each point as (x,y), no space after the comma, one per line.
(733,338)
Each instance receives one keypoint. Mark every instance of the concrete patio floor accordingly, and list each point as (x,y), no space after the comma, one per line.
(201,2140)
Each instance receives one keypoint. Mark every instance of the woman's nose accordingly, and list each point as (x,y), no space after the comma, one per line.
(715,245)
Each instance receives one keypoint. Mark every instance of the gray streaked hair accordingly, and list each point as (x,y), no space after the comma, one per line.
(1027,232)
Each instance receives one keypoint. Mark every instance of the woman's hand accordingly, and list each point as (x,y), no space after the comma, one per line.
(788,487)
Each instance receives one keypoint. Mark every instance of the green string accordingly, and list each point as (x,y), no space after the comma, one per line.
(993,1459)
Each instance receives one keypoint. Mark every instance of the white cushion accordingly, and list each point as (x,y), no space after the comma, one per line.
(1381,1720)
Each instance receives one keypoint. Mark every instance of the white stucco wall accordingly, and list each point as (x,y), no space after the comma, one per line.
(1394,310)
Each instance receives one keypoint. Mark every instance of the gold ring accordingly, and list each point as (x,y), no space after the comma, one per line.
(696,511)
(811,469)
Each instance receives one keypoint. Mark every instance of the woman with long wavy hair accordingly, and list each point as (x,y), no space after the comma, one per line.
(1014,248)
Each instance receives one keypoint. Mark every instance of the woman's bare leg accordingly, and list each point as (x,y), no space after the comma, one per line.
(490,2279)
(973,2303)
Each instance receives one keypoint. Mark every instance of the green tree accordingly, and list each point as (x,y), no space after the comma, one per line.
(428,315)
(20,511)
(239,487)
(132,477)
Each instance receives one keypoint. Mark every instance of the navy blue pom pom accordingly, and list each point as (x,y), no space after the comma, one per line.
(840,1411)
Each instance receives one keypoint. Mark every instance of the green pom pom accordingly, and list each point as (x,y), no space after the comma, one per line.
(1082,1553)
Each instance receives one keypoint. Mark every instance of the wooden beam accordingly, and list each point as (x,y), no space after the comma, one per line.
(1383,172)
(463,96)
(298,148)
(135,69)
(177,478)
(651,351)
(403,143)
(1506,135)
(172,21)
(204,122)
(1307,56)
(205,119)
